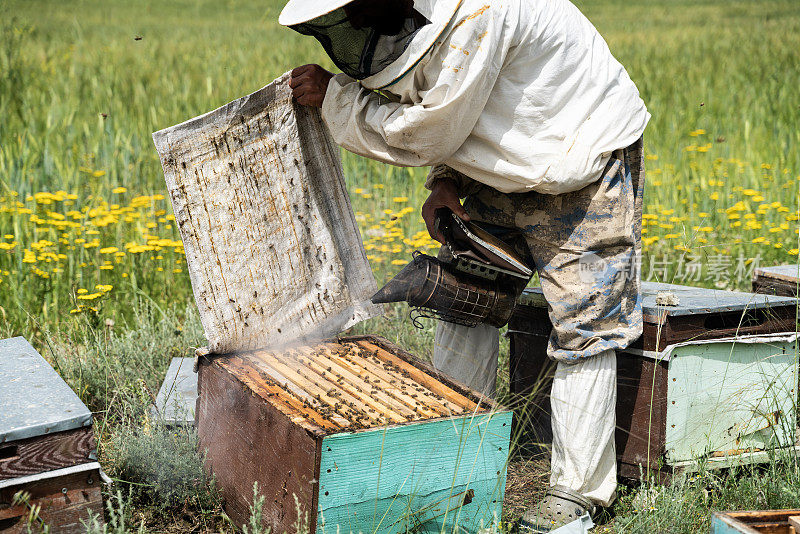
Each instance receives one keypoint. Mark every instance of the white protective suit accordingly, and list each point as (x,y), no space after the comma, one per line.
(516,94)
(521,96)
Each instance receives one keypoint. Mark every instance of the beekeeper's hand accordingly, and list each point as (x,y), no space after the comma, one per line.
(443,195)
(309,84)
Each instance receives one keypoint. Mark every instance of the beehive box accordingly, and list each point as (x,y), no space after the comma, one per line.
(366,440)
(711,377)
(777,280)
(366,436)
(47,445)
(756,522)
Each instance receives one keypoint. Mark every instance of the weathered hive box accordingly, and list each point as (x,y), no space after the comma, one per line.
(47,446)
(365,436)
(756,522)
(777,280)
(714,377)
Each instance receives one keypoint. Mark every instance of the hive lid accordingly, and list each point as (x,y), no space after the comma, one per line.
(789,273)
(34,399)
(692,300)
(175,402)
(272,247)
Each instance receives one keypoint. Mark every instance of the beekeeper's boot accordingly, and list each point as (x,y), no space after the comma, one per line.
(559,507)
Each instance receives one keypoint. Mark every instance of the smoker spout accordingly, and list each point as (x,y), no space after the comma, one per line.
(405,286)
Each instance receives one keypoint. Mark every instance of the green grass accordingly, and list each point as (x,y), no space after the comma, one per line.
(80,96)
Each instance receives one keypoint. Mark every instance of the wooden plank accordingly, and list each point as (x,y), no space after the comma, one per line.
(46,453)
(371,360)
(422,378)
(297,409)
(316,397)
(349,406)
(392,382)
(345,382)
(365,387)
(380,480)
(246,440)
(337,393)
(392,348)
(62,511)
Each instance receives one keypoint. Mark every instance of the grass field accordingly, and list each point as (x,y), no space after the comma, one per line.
(91,263)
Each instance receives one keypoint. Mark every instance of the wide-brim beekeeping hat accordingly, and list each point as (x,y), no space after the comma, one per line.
(365,52)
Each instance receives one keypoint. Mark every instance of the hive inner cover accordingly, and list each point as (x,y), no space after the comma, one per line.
(272,247)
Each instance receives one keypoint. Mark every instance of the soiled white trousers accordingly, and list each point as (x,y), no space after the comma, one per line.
(583,402)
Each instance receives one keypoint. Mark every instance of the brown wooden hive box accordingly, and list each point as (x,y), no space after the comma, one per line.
(777,280)
(664,404)
(366,437)
(47,446)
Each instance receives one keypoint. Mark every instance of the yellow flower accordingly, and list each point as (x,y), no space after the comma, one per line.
(98,174)
(119,190)
(90,296)
(366,195)
(400,200)
(378,186)
(398,262)
(697,132)
(82,291)
(759,240)
(358,191)
(714,196)
(105,288)
(792,252)
(652,157)
(109,250)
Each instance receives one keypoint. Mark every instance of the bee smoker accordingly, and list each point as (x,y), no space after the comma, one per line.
(477,280)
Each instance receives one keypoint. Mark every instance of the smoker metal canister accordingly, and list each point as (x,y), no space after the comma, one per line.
(437,290)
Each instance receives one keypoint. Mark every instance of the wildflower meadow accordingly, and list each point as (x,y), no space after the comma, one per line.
(91,260)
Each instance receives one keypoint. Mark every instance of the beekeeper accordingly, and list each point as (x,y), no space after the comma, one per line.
(521,109)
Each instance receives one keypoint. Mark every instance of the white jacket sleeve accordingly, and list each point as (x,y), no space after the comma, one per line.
(440,99)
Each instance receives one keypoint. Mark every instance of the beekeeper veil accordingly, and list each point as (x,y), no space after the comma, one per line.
(362,37)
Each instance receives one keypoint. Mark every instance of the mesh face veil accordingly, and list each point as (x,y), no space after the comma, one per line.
(360,50)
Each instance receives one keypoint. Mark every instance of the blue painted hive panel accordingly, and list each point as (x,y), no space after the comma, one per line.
(35,400)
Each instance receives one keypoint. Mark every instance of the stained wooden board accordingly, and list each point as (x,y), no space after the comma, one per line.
(46,453)
(363,365)
(421,377)
(348,386)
